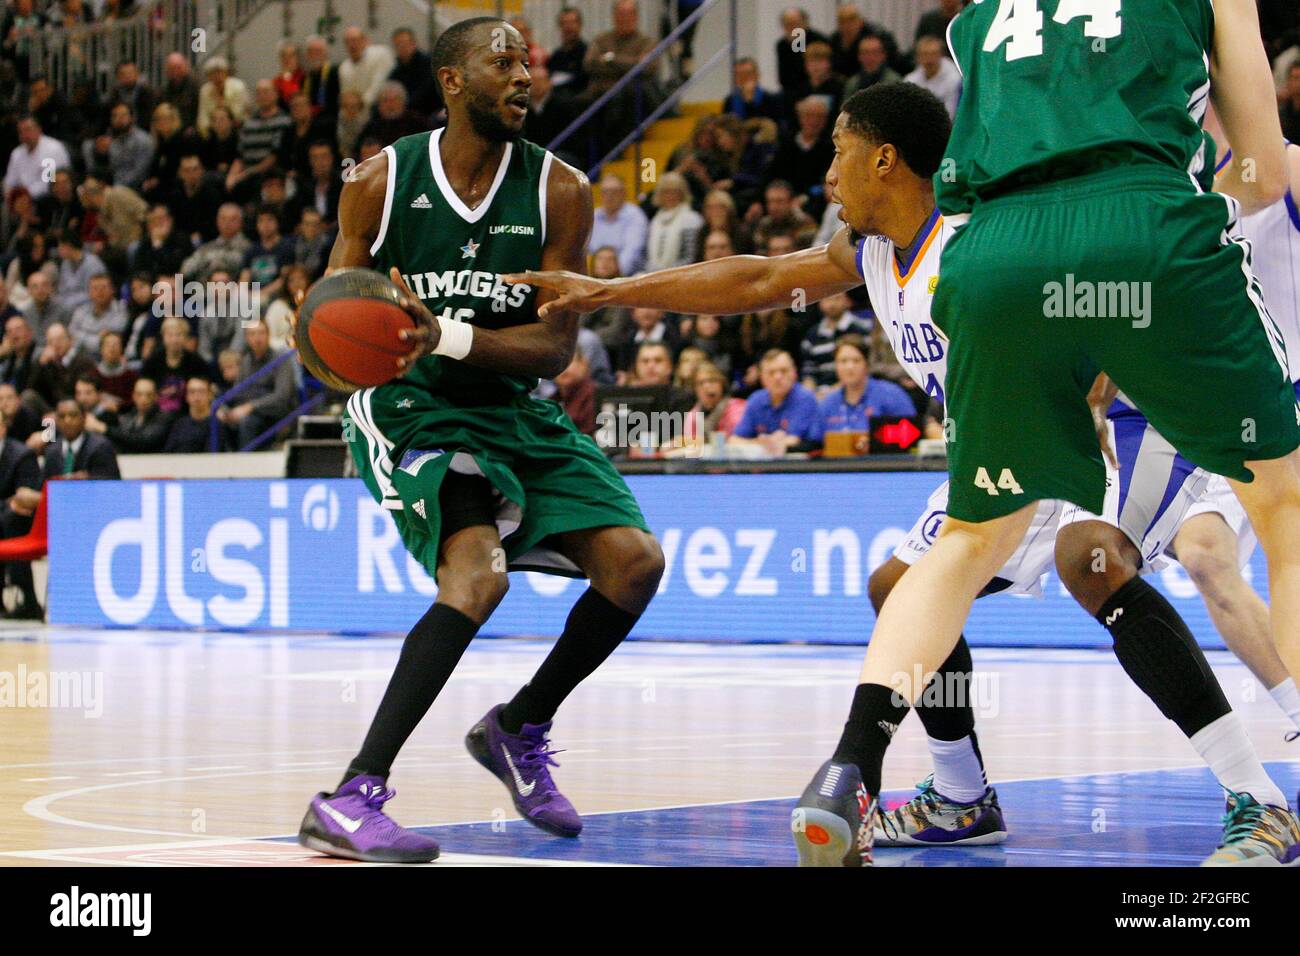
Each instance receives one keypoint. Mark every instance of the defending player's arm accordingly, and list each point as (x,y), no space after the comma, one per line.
(1244,97)
(730,286)
(543,348)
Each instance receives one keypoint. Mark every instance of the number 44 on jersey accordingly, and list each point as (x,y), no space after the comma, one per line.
(1019,24)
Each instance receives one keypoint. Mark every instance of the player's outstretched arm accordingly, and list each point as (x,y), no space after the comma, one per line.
(1244,97)
(543,348)
(729,286)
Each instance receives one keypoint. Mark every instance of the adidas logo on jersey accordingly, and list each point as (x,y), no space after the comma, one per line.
(421,202)
(418,508)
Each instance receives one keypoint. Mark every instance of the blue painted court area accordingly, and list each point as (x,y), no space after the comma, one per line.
(1128,819)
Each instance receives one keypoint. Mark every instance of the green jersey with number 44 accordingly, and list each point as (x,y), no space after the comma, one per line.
(452,257)
(1060,88)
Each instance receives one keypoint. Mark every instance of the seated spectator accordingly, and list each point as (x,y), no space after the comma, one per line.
(718,245)
(859,398)
(24,424)
(688,360)
(21,222)
(58,366)
(350,120)
(568,75)
(393,118)
(189,433)
(194,201)
(817,352)
(797,36)
(132,91)
(653,368)
(820,78)
(130,149)
(715,410)
(219,146)
(162,250)
(748,99)
(76,266)
(873,61)
(935,23)
(116,216)
(32,256)
(613,324)
(760,333)
(147,306)
(20,482)
(32,158)
(267,400)
(708,334)
(719,213)
(60,209)
(621,226)
(103,312)
(47,104)
(172,365)
(675,228)
(99,417)
(782,416)
(311,246)
(781,217)
(171,142)
(366,67)
(17,353)
(77,453)
(700,161)
(413,68)
(305,131)
(936,73)
(116,379)
(261,138)
(142,430)
(228,363)
(549,113)
(267,259)
(576,393)
(846,42)
(280,313)
(611,56)
(802,159)
(226,252)
(318,192)
(288,82)
(648,325)
(220,91)
(180,89)
(43,309)
(321,82)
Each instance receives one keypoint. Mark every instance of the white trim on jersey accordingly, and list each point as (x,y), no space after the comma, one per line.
(951,52)
(444,185)
(389,190)
(541,190)
(378,448)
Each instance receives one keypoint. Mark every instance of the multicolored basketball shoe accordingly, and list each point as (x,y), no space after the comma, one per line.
(834,819)
(351,823)
(931,819)
(1256,835)
(522,762)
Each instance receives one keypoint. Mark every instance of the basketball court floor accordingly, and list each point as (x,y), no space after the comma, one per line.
(185,749)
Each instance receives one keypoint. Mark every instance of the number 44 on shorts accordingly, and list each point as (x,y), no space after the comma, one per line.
(1006,481)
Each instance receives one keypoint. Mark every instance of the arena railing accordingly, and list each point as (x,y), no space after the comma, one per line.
(214,423)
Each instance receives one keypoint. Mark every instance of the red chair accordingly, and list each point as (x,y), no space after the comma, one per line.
(33,545)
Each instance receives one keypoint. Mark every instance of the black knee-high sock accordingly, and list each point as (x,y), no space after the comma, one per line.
(429,655)
(596,626)
(944,718)
(872,723)
(1157,650)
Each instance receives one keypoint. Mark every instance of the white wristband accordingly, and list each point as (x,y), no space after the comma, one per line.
(455,338)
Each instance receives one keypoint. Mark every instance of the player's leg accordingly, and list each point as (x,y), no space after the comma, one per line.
(833,823)
(624,565)
(955,805)
(1208,549)
(472,581)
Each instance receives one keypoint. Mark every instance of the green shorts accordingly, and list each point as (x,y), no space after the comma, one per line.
(549,477)
(1129,271)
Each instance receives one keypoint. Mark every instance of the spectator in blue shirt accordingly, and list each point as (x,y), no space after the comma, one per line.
(858,397)
(782,416)
(620,224)
(748,99)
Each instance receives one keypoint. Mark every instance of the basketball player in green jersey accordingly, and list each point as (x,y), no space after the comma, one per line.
(478,475)
(1078,156)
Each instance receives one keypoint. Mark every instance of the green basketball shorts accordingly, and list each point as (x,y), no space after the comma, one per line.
(1129,271)
(549,477)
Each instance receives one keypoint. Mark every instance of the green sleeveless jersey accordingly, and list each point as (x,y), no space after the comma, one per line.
(1061,88)
(452,257)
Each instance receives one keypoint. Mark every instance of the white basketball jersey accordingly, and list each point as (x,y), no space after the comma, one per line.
(1274,235)
(902,298)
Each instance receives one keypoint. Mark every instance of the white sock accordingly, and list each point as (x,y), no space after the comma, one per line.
(1287,696)
(1227,749)
(957,771)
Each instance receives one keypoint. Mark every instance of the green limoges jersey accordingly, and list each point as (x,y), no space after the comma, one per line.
(1059,88)
(452,257)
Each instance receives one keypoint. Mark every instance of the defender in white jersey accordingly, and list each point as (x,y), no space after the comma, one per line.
(889,141)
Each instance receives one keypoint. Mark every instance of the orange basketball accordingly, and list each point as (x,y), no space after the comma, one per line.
(348,329)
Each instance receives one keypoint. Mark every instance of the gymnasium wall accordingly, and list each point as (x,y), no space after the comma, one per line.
(781,558)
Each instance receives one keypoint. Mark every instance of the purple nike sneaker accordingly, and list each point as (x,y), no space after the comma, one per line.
(351,823)
(522,761)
